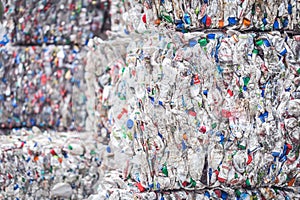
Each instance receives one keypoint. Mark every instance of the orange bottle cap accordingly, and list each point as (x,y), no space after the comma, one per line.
(246,22)
(221,23)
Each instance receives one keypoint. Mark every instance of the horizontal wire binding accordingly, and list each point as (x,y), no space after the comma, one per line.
(200,191)
(224,30)
(46,44)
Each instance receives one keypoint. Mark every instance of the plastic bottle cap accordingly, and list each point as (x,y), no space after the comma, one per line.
(255,51)
(157,21)
(290,9)
(130,123)
(197,11)
(264,20)
(203,42)
(276,25)
(187,18)
(232,21)
(246,22)
(192,43)
(259,42)
(267,43)
(208,21)
(283,52)
(221,23)
(144,18)
(211,36)
(203,20)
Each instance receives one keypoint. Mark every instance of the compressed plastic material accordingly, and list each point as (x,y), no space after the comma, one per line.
(219,14)
(205,115)
(42,62)
(47,165)
(59,22)
(43,86)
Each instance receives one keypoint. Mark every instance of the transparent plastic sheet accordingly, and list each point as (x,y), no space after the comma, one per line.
(210,14)
(207,115)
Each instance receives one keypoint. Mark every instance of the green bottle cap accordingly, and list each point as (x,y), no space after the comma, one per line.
(169,45)
(93,152)
(193,182)
(197,11)
(167,18)
(246,80)
(255,51)
(236,175)
(214,125)
(248,182)
(238,193)
(165,170)
(259,42)
(203,42)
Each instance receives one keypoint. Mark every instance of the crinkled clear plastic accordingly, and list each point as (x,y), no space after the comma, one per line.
(47,165)
(43,59)
(59,22)
(211,115)
(204,115)
(219,14)
(43,86)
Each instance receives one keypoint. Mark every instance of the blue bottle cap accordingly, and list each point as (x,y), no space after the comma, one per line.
(283,158)
(224,195)
(232,21)
(276,25)
(108,149)
(207,194)
(203,20)
(285,22)
(180,26)
(129,123)
(45,39)
(290,9)
(187,18)
(192,43)
(16,187)
(211,36)
(184,147)
(178,21)
(267,43)
(283,52)
(244,196)
(264,20)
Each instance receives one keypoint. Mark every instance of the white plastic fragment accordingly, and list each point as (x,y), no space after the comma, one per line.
(62,190)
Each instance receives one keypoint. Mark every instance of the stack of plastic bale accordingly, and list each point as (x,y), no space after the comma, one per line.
(47,165)
(204,115)
(216,14)
(43,62)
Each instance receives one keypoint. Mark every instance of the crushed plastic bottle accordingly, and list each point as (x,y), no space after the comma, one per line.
(50,164)
(200,124)
(71,22)
(214,14)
